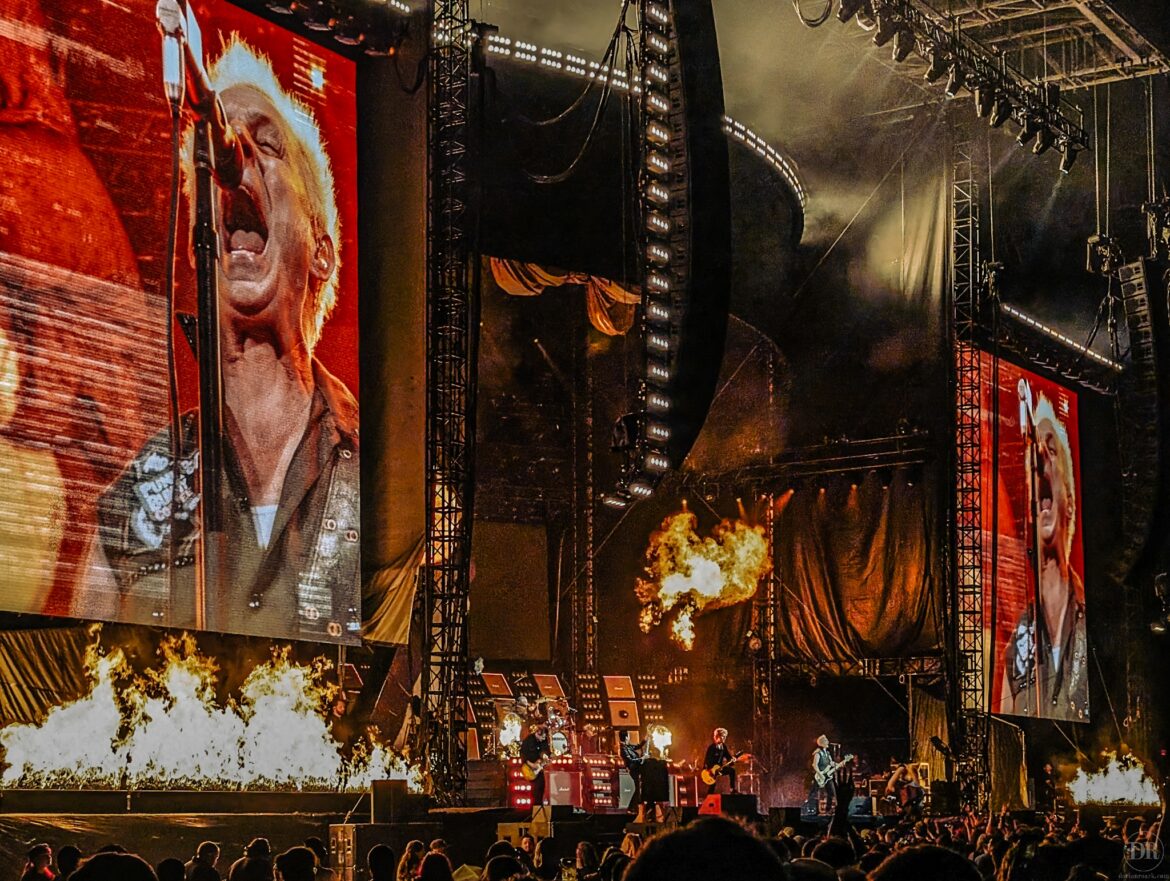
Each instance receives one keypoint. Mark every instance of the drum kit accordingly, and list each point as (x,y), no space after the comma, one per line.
(516,718)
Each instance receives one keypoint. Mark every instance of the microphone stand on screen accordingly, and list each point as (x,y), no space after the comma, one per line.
(186,81)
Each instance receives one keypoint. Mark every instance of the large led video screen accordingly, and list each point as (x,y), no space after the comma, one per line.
(1031,520)
(102,475)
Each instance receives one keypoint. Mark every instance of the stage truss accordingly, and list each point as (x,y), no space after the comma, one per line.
(967,552)
(451,332)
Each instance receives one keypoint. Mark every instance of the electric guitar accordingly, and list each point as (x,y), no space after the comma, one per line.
(530,770)
(823,777)
(709,775)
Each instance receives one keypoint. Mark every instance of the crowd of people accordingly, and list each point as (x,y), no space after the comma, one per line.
(968,847)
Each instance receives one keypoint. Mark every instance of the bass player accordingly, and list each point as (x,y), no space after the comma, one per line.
(824,768)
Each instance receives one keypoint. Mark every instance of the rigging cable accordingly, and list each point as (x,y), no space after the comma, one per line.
(817,21)
(595,126)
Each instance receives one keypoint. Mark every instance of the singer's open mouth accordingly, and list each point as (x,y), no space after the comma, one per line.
(1044,491)
(243,224)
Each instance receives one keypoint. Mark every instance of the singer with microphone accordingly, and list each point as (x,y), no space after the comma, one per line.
(1046,660)
(288,485)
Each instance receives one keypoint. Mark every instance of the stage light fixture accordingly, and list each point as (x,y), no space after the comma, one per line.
(657,102)
(656,281)
(641,489)
(657,223)
(657,372)
(1000,113)
(658,341)
(1029,126)
(1158,626)
(657,163)
(658,254)
(848,9)
(658,43)
(657,133)
(347,31)
(657,73)
(657,193)
(658,312)
(282,7)
(657,462)
(939,64)
(887,26)
(984,99)
(1045,138)
(656,402)
(956,81)
(1069,152)
(316,15)
(657,14)
(904,44)
(658,431)
(617,500)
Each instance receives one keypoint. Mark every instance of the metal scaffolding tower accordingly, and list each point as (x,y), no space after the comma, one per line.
(451,328)
(967,558)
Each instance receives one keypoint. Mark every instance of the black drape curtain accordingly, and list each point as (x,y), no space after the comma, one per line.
(858,567)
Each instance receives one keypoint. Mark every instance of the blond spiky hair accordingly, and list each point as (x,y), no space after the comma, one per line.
(242,66)
(1045,410)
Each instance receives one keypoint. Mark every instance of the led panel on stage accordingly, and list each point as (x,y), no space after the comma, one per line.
(100,493)
(1032,512)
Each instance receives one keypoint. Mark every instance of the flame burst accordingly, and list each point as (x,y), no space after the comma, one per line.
(165,729)
(694,574)
(1121,781)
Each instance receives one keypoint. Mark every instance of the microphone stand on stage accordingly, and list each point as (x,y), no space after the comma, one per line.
(1039,637)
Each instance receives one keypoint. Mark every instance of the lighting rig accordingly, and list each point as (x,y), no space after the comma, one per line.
(644,435)
(1000,92)
(377,29)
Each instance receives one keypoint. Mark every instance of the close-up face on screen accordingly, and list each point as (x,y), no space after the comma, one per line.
(1039,661)
(104,451)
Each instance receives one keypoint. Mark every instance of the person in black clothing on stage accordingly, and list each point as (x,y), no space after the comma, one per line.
(821,760)
(717,754)
(533,751)
(633,755)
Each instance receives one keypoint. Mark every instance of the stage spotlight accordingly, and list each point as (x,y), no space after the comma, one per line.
(1000,113)
(617,500)
(904,43)
(984,99)
(1158,626)
(1045,138)
(347,31)
(939,63)
(887,27)
(1069,151)
(1029,126)
(848,9)
(316,15)
(956,81)
(641,489)
(282,7)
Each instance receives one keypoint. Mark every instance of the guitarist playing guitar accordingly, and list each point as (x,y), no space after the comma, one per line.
(824,768)
(719,761)
(533,752)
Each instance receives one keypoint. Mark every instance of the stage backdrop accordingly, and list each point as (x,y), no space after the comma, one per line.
(1032,512)
(85,464)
